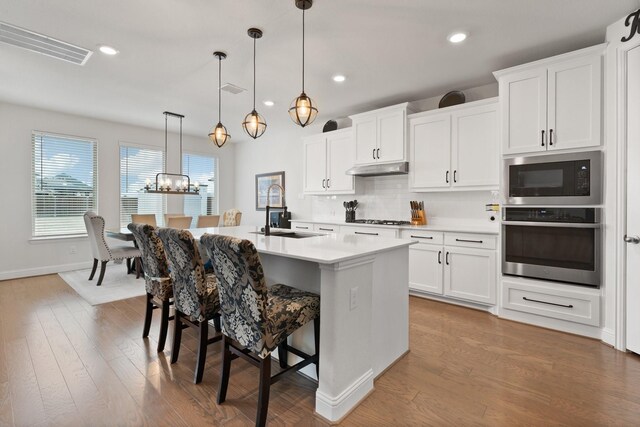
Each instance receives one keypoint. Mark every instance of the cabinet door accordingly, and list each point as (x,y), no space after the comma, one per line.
(366,136)
(391,136)
(315,164)
(341,155)
(430,146)
(574,103)
(425,268)
(524,114)
(475,147)
(470,274)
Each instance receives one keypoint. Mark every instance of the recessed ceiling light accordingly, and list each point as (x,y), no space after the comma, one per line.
(339,78)
(269,103)
(108,50)
(457,37)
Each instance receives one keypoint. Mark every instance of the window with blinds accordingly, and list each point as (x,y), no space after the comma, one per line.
(137,164)
(64,184)
(202,169)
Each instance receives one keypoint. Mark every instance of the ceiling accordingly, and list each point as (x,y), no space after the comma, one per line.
(391,51)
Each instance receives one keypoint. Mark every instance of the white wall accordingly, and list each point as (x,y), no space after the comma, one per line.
(380,197)
(19,255)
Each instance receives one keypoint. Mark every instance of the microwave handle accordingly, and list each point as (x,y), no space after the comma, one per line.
(551,224)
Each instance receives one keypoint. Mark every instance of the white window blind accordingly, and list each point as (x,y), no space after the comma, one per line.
(64,184)
(138,164)
(204,170)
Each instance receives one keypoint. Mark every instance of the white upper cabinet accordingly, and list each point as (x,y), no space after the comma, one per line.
(553,104)
(327,157)
(455,148)
(475,156)
(381,135)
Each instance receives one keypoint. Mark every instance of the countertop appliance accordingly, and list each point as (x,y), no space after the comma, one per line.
(381,222)
(562,244)
(559,179)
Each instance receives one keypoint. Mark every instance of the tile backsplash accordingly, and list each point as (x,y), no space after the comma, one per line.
(387,197)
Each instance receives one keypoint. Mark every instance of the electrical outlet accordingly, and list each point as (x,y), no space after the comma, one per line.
(73,250)
(353,298)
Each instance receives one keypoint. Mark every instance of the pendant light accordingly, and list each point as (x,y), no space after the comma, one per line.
(219,134)
(254,124)
(303,110)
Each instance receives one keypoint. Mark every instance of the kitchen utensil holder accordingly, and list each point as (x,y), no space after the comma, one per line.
(420,218)
(350,216)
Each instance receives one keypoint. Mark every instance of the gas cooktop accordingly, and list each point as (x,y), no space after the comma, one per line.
(381,222)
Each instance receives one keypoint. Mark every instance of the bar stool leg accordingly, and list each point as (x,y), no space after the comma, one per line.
(226,368)
(177,337)
(164,325)
(263,395)
(202,351)
(147,316)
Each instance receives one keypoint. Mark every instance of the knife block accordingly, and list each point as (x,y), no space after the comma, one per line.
(420,218)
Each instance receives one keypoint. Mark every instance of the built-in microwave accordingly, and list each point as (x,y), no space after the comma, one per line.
(559,179)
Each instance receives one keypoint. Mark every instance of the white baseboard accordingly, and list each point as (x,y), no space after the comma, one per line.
(609,336)
(40,271)
(335,408)
(554,324)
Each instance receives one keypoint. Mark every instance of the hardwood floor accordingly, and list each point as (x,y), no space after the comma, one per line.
(65,362)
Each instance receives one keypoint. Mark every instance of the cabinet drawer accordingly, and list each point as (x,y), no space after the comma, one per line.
(302,226)
(326,228)
(484,241)
(423,236)
(564,304)
(370,231)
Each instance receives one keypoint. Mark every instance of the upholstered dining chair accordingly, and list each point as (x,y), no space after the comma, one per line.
(255,319)
(158,284)
(231,218)
(205,221)
(103,252)
(181,222)
(195,294)
(144,219)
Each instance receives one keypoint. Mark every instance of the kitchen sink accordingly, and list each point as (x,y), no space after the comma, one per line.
(289,234)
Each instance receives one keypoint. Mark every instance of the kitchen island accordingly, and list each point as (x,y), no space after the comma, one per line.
(364,297)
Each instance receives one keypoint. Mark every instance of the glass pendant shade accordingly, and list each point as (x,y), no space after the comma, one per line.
(254,124)
(303,110)
(219,135)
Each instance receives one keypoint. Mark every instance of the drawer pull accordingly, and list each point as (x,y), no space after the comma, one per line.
(301,227)
(368,234)
(468,241)
(547,302)
(325,229)
(422,237)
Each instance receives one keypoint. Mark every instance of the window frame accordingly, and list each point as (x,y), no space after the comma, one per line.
(96,184)
(121,144)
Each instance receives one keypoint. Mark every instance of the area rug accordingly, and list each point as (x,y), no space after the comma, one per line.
(116,285)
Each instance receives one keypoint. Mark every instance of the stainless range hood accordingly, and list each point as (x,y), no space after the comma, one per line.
(398,168)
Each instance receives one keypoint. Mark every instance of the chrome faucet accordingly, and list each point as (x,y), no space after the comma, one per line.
(267,227)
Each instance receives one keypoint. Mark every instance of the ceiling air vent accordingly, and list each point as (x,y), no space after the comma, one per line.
(231,88)
(45,45)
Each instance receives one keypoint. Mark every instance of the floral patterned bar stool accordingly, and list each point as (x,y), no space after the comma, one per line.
(195,294)
(255,319)
(156,278)
(231,218)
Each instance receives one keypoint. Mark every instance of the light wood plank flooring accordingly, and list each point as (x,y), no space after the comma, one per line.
(64,362)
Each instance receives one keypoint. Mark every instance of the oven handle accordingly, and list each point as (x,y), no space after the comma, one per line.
(551,224)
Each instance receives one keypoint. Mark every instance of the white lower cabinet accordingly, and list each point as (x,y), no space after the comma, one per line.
(326,228)
(369,231)
(555,300)
(464,268)
(302,226)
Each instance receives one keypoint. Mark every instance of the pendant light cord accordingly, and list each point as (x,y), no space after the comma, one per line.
(254,74)
(219,84)
(303,49)
(165,141)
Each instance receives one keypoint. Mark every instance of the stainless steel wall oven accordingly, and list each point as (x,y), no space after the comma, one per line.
(561,244)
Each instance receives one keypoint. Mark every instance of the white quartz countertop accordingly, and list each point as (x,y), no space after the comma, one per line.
(458,227)
(320,248)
